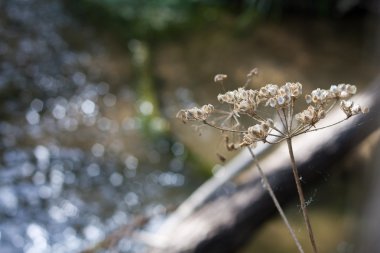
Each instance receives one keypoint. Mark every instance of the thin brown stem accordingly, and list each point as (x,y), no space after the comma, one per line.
(281,119)
(291,114)
(333,124)
(301,196)
(276,141)
(286,120)
(255,117)
(260,119)
(332,106)
(276,203)
(223,129)
(275,135)
(317,129)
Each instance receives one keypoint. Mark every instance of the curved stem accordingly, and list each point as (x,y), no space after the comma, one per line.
(286,120)
(276,203)
(256,117)
(281,119)
(223,129)
(332,106)
(275,135)
(301,196)
(276,141)
(278,130)
(333,124)
(291,109)
(317,129)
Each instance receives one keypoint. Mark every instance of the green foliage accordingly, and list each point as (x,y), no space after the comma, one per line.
(141,19)
(149,19)
(148,15)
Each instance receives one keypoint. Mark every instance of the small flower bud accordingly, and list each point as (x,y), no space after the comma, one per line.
(351,89)
(253,72)
(270,122)
(308,99)
(321,114)
(280,100)
(219,77)
(271,102)
(356,109)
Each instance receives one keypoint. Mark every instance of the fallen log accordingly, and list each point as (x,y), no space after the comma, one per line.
(224,223)
(367,236)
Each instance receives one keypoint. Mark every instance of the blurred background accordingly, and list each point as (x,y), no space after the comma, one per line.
(89,90)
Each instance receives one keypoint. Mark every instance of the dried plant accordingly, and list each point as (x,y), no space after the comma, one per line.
(283,126)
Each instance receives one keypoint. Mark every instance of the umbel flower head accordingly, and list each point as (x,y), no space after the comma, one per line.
(196,113)
(279,98)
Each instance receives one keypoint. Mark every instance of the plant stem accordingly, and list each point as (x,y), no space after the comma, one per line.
(301,195)
(276,203)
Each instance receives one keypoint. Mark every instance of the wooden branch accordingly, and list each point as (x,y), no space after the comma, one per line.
(367,236)
(224,223)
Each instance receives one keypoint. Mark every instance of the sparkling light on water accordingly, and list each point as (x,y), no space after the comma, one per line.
(88,107)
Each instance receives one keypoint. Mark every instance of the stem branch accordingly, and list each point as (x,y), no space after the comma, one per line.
(301,196)
(276,203)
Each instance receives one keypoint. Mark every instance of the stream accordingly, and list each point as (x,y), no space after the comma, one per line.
(74,165)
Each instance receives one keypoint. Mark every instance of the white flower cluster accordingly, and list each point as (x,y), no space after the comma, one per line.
(243,100)
(340,91)
(274,96)
(320,98)
(282,96)
(311,115)
(258,132)
(195,113)
(343,90)
(350,108)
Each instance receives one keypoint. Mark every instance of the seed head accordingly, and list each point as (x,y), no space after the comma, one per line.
(258,132)
(219,77)
(350,108)
(311,115)
(295,89)
(282,99)
(253,72)
(342,91)
(195,113)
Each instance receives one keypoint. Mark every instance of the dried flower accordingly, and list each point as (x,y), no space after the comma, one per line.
(282,100)
(295,89)
(243,100)
(258,132)
(195,113)
(253,72)
(343,90)
(319,96)
(350,108)
(219,77)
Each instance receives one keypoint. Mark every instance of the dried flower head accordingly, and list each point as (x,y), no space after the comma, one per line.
(243,101)
(310,116)
(253,72)
(195,113)
(350,108)
(219,77)
(281,99)
(343,91)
